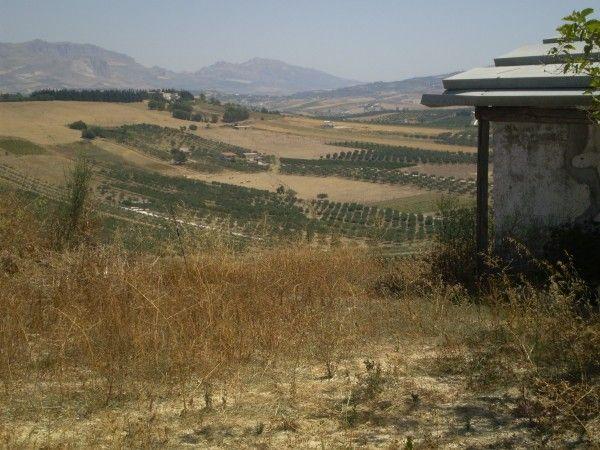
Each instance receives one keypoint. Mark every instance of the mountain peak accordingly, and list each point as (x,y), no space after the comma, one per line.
(39,64)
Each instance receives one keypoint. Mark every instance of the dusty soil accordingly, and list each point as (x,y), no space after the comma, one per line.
(308,187)
(384,397)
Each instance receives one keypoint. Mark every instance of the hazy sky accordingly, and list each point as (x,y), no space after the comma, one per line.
(363,40)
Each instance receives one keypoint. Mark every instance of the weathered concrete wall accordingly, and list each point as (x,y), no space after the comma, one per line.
(544,175)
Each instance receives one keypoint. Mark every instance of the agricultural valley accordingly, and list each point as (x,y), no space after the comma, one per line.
(353,179)
(260,255)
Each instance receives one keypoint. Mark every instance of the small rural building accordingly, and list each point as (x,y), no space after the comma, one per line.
(251,156)
(546,148)
(228,156)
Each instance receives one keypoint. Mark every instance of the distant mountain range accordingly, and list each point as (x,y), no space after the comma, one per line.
(38,64)
(367,97)
(381,89)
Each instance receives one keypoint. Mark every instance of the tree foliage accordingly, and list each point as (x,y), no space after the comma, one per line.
(90,95)
(88,133)
(235,113)
(580,26)
(78,125)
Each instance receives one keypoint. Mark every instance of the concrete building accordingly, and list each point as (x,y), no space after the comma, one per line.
(546,149)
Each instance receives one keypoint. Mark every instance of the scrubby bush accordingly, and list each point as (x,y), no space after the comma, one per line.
(181,114)
(78,125)
(157,104)
(88,133)
(235,113)
(454,257)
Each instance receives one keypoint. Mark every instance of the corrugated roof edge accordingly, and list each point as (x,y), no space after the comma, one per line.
(517,77)
(530,98)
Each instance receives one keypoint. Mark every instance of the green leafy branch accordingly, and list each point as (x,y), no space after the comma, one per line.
(580,26)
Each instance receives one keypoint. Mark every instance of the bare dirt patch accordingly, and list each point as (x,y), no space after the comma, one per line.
(384,399)
(308,187)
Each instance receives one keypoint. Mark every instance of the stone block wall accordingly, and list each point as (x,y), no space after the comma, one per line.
(544,175)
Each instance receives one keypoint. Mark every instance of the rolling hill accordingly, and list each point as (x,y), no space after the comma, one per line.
(359,98)
(379,89)
(38,64)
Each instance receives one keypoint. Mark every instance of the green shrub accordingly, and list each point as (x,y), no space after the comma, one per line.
(455,255)
(181,114)
(88,133)
(235,113)
(78,125)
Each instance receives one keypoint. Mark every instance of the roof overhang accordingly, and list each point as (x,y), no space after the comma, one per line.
(557,98)
(529,76)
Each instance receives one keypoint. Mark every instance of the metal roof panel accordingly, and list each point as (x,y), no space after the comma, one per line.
(539,54)
(549,76)
(536,98)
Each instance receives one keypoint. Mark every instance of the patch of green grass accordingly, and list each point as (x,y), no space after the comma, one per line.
(20,147)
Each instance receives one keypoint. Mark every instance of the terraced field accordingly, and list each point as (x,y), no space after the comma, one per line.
(356,181)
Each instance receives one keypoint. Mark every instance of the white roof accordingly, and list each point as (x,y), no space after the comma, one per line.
(527,76)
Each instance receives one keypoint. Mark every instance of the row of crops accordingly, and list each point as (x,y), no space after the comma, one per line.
(203,198)
(249,210)
(468,136)
(29,183)
(458,118)
(128,190)
(371,151)
(360,171)
(383,223)
(157,141)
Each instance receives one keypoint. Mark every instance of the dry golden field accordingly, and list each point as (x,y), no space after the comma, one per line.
(308,187)
(355,131)
(286,347)
(45,123)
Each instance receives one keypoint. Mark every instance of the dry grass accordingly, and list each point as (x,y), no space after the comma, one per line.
(45,122)
(353,131)
(292,346)
(308,187)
